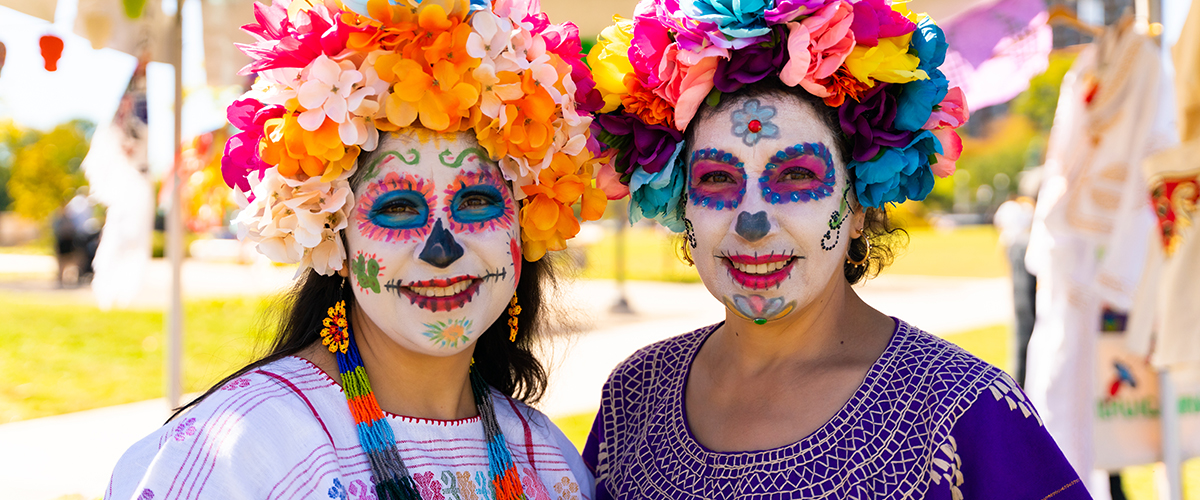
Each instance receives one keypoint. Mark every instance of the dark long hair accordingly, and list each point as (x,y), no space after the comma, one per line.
(885,238)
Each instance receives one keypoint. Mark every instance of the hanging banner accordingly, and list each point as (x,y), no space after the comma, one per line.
(1127,428)
(996,49)
(41,9)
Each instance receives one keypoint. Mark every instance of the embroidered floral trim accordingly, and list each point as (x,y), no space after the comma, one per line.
(947,465)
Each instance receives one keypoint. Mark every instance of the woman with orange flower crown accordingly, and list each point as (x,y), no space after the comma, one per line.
(773,133)
(417,159)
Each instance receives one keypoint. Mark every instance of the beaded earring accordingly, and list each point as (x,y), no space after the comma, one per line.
(514,310)
(689,241)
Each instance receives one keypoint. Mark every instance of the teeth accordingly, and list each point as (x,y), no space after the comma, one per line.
(441,291)
(760,268)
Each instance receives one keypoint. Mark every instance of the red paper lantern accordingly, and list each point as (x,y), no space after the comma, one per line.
(52,47)
(3,53)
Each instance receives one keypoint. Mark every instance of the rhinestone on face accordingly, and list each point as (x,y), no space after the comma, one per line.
(754,126)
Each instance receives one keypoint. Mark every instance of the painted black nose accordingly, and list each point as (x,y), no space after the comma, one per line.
(752,226)
(441,250)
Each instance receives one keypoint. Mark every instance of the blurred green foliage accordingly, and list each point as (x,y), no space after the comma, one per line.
(1009,143)
(41,171)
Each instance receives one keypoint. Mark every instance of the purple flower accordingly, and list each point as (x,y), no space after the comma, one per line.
(869,123)
(788,10)
(241,150)
(752,63)
(649,146)
(875,19)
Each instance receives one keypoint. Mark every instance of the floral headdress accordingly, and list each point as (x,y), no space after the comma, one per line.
(332,75)
(873,60)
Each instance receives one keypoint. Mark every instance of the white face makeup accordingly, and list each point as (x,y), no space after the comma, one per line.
(434,242)
(767,201)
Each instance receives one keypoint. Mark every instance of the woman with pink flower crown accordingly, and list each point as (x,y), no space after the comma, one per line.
(773,134)
(417,159)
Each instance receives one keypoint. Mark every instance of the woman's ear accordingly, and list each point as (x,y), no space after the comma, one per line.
(858,222)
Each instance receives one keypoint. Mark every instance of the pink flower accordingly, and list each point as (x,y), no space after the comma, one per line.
(609,181)
(875,19)
(817,46)
(292,42)
(698,71)
(951,149)
(951,113)
(648,48)
(788,10)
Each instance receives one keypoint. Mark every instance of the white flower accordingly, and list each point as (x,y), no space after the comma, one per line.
(329,91)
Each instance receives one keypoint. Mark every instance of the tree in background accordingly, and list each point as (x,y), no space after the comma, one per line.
(42,168)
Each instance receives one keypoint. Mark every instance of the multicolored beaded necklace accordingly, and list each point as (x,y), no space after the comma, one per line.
(392,479)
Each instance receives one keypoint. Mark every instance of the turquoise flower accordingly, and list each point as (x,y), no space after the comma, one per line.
(917,99)
(897,174)
(658,195)
(737,19)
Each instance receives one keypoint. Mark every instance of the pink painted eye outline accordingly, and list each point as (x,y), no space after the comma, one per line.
(811,158)
(720,196)
(479,183)
(393,182)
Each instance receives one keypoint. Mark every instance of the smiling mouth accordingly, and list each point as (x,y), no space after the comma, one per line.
(443,294)
(760,272)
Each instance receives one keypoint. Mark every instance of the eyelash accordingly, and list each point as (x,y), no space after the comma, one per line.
(804,174)
(712,177)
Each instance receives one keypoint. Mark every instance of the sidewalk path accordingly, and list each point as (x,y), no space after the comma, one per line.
(73,454)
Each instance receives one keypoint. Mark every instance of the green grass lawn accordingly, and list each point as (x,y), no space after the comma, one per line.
(60,358)
(652,254)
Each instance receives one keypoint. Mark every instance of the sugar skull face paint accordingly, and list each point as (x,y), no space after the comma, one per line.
(716,179)
(766,257)
(434,241)
(799,173)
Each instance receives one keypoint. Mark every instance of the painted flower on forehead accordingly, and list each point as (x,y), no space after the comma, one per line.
(753,122)
(739,22)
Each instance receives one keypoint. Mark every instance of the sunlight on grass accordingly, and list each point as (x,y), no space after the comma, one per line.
(971,251)
(62,358)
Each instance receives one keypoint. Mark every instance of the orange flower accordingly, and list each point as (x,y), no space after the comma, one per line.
(301,154)
(387,27)
(841,85)
(547,220)
(647,105)
(525,127)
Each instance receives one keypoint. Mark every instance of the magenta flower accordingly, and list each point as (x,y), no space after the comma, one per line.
(817,46)
(283,43)
(241,150)
(788,10)
(875,19)
(869,123)
(563,40)
(647,49)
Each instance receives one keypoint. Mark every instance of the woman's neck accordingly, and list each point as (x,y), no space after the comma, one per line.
(406,382)
(832,325)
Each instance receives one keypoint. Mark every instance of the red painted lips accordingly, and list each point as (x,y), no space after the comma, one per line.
(760,272)
(442,294)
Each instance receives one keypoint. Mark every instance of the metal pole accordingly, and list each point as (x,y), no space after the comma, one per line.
(1171,438)
(174,351)
(622,305)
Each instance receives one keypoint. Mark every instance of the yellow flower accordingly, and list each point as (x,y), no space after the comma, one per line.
(888,62)
(609,60)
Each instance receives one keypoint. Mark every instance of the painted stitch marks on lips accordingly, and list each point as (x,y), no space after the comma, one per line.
(760,272)
(799,173)
(444,294)
(717,179)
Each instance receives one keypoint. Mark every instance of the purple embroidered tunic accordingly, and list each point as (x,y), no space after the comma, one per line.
(929,421)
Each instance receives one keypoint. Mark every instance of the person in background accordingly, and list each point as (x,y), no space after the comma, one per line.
(1014,218)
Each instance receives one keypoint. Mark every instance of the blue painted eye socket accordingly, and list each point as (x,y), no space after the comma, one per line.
(474,204)
(402,209)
